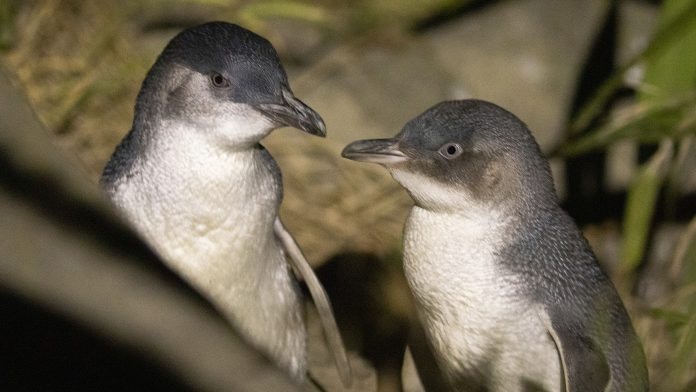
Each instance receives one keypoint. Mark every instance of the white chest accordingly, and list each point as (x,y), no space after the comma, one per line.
(203,210)
(477,321)
(209,213)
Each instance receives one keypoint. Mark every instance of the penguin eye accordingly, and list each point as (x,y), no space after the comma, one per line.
(451,150)
(218,80)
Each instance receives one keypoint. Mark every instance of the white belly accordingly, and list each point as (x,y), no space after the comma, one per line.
(211,218)
(479,325)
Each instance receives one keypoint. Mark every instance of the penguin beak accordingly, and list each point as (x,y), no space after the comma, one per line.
(381,151)
(294,113)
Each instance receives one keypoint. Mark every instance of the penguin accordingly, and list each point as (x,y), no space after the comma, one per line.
(193,179)
(508,292)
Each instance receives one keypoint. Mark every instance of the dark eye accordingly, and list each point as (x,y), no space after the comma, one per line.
(451,150)
(218,80)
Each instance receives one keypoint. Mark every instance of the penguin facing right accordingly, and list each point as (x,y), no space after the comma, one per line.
(507,289)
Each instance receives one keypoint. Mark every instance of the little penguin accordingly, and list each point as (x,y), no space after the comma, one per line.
(194,181)
(507,289)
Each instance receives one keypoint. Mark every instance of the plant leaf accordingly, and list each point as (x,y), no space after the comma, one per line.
(670,32)
(672,70)
(673,318)
(684,261)
(684,357)
(646,122)
(640,206)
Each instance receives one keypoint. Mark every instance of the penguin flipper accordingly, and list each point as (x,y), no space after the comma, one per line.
(585,368)
(320,299)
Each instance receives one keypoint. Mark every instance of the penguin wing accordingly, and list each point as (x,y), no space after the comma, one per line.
(321,301)
(585,368)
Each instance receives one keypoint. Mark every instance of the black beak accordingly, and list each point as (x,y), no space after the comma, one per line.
(382,151)
(294,113)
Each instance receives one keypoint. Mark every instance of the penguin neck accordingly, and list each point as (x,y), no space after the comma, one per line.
(480,219)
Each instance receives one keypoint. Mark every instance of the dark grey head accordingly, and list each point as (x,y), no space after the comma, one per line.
(462,152)
(219,76)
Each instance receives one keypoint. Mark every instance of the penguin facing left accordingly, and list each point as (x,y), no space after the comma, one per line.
(509,293)
(193,179)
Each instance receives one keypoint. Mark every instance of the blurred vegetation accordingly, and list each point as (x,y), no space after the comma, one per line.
(77,57)
(661,111)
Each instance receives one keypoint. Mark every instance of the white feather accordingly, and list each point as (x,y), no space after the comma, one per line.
(475,319)
(207,207)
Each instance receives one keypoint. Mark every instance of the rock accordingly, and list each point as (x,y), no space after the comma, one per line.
(523,55)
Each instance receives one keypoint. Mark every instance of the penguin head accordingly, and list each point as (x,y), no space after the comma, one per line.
(460,154)
(225,80)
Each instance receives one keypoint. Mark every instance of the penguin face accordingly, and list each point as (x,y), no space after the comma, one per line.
(458,154)
(227,81)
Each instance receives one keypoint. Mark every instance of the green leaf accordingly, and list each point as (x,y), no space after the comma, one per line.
(684,262)
(646,122)
(670,34)
(640,206)
(684,358)
(7,25)
(673,69)
(674,319)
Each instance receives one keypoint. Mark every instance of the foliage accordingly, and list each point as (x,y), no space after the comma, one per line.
(662,112)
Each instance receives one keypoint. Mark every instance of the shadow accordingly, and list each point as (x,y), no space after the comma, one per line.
(43,351)
(587,199)
(363,290)
(453,12)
